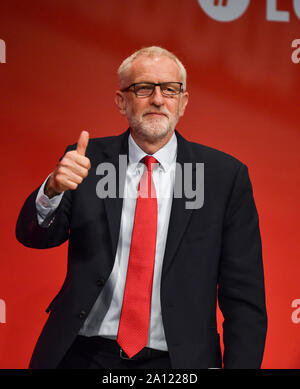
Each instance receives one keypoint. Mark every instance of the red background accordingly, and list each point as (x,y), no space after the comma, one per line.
(60,78)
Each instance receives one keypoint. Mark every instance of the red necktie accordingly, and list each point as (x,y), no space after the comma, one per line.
(135,315)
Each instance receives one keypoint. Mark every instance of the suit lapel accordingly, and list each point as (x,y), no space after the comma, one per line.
(180,215)
(113,206)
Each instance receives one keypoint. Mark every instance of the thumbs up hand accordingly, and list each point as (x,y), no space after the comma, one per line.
(71,170)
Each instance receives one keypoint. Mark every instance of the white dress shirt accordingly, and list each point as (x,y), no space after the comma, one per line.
(103,319)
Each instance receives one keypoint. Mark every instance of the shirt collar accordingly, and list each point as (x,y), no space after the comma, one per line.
(166,156)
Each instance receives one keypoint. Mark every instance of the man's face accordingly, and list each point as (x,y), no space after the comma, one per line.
(155,117)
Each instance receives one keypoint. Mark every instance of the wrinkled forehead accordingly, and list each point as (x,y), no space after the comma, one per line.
(153,69)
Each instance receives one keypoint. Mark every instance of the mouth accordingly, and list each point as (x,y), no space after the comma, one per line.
(155,114)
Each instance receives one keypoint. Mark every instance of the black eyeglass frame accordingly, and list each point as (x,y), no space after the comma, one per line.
(154,85)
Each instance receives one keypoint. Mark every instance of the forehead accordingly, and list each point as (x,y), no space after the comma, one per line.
(154,69)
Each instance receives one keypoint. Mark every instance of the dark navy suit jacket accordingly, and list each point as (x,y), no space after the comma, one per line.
(212,254)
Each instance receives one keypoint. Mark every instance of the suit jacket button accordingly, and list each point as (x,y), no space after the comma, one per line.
(82,314)
(100,282)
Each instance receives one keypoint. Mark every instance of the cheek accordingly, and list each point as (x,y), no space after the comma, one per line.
(136,109)
(174,109)
(130,110)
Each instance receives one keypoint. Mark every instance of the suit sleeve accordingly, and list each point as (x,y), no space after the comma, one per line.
(31,234)
(241,292)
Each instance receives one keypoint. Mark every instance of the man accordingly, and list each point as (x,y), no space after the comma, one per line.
(145,271)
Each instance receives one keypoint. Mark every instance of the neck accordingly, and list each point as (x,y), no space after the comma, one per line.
(151,146)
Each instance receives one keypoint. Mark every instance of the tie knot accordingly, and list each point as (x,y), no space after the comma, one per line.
(149,161)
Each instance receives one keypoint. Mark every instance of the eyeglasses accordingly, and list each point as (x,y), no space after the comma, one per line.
(146,89)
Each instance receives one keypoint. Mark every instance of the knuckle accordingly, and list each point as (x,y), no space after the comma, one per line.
(67,162)
(73,185)
(68,155)
(57,177)
(62,171)
(59,168)
(87,162)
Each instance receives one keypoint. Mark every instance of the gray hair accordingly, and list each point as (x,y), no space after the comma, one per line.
(152,51)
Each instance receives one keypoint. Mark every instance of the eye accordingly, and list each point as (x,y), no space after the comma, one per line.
(171,88)
(143,88)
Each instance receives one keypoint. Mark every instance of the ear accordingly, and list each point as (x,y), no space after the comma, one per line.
(183,103)
(120,102)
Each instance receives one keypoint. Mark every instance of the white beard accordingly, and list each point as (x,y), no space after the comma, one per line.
(152,129)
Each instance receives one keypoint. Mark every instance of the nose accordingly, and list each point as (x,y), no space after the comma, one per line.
(157,98)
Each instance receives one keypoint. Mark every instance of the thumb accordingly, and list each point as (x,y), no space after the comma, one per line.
(82,143)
